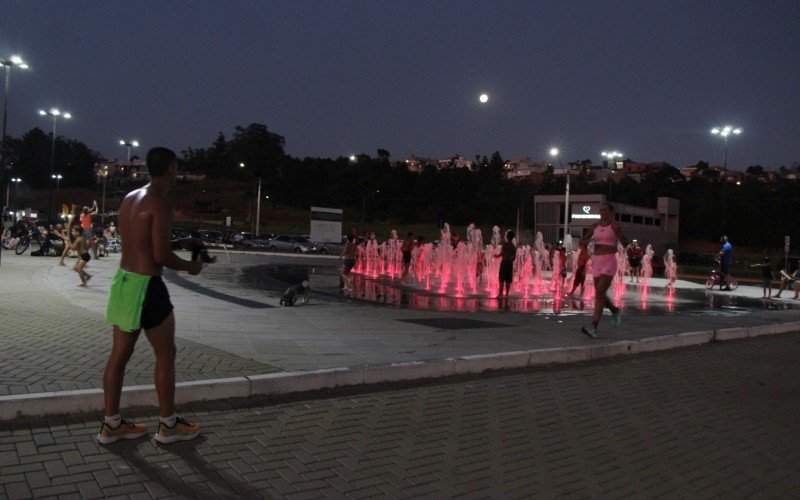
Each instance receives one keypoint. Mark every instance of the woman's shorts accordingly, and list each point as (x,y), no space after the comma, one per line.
(604,265)
(506,271)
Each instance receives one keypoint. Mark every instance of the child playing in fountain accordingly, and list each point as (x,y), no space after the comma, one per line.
(580,271)
(508,252)
(766,277)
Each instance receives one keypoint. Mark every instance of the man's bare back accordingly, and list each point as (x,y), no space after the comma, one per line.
(145,219)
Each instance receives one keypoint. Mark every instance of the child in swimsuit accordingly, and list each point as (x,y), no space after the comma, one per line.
(82,247)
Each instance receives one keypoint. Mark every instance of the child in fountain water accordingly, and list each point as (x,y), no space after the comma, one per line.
(580,271)
(349,256)
(508,252)
(766,277)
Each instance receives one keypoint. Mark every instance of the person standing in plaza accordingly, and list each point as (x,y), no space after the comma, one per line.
(605,234)
(139,300)
(508,252)
(88,227)
(349,256)
(725,261)
(405,249)
(766,277)
(635,255)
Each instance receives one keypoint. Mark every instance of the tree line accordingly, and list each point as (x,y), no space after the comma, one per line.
(756,214)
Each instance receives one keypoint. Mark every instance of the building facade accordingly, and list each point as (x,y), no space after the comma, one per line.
(656,226)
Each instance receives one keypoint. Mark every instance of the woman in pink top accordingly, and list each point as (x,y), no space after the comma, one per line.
(604,264)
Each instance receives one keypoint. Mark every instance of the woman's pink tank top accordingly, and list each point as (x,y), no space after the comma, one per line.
(605,235)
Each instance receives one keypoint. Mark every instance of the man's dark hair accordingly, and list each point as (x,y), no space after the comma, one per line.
(159,160)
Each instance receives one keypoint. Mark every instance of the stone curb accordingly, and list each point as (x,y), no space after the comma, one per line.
(91,400)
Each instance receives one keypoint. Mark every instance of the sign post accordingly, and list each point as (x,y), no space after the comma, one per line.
(786,241)
(326,224)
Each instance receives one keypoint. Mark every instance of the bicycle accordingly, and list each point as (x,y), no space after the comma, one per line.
(716,280)
(53,243)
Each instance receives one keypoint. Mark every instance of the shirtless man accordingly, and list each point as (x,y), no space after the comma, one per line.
(139,300)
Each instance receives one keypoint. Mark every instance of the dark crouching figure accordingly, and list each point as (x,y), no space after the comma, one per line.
(295,293)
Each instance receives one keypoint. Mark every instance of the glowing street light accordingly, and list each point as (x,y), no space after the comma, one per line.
(612,155)
(352,157)
(725,132)
(129,144)
(13,61)
(55,113)
(555,153)
(57,178)
(16,181)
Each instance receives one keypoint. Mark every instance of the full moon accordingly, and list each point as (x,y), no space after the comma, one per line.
(483,97)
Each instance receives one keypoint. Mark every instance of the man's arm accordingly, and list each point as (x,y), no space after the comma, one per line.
(162,246)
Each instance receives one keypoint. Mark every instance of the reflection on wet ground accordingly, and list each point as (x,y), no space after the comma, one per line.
(635,300)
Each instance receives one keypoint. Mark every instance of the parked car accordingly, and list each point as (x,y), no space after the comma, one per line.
(208,236)
(332,247)
(257,242)
(179,232)
(289,243)
(232,238)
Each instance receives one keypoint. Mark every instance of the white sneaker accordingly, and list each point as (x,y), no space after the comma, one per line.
(590,330)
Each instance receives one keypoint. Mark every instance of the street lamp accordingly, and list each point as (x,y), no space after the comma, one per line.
(16,181)
(8,64)
(104,174)
(555,153)
(129,144)
(57,178)
(611,157)
(725,132)
(55,113)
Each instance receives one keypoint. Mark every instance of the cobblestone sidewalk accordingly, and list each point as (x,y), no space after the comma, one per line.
(48,344)
(717,420)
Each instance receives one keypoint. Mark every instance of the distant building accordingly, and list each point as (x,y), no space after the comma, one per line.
(417,163)
(456,162)
(524,169)
(656,226)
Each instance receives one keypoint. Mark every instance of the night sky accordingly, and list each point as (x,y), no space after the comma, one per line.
(647,78)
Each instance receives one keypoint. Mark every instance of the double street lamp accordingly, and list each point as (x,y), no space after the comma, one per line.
(611,157)
(56,114)
(725,132)
(129,144)
(16,181)
(57,178)
(13,61)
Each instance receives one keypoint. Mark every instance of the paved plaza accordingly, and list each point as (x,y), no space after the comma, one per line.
(716,419)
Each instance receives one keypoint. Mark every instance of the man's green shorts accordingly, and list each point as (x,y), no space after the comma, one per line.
(137,301)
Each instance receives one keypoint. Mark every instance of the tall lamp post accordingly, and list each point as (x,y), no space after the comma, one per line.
(611,157)
(104,174)
(8,64)
(57,178)
(55,113)
(129,144)
(725,132)
(16,181)
(555,153)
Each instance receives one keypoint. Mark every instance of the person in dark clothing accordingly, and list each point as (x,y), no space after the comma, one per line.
(508,252)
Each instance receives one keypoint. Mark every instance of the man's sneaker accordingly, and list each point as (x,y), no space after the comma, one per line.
(126,429)
(182,431)
(590,330)
(616,317)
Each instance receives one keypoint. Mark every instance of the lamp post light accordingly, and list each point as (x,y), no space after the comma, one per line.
(55,113)
(57,178)
(104,174)
(725,132)
(8,64)
(611,157)
(16,181)
(555,153)
(129,144)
